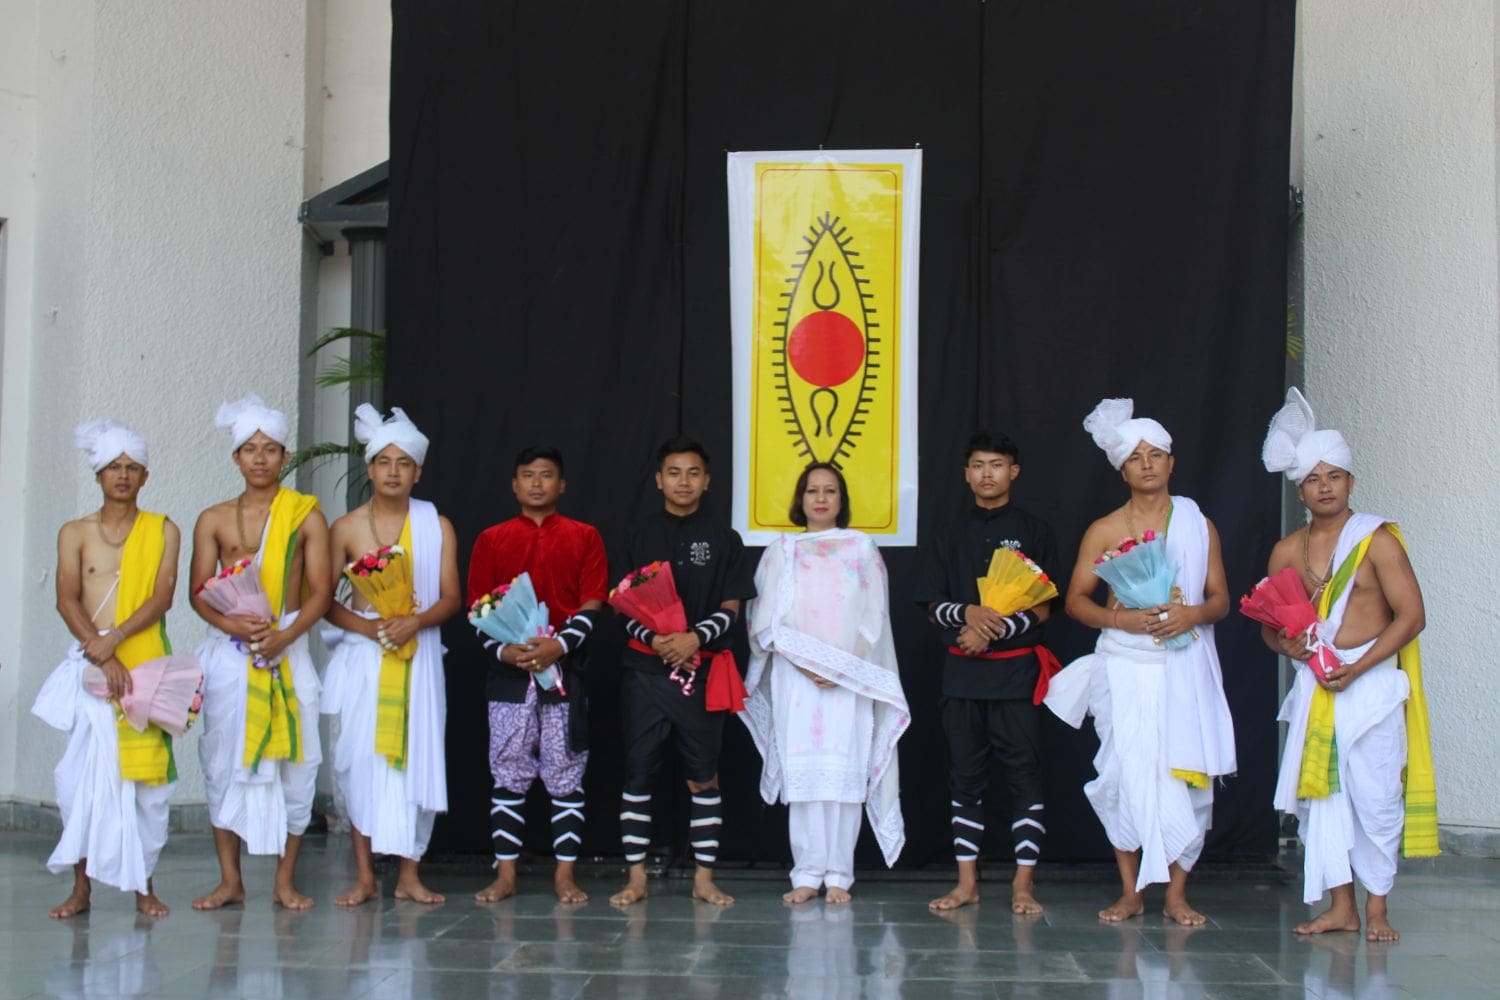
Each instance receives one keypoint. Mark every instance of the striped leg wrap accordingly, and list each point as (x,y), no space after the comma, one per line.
(705,818)
(968,830)
(1028,832)
(635,825)
(567,827)
(507,823)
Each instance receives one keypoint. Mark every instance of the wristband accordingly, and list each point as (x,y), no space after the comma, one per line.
(714,626)
(575,631)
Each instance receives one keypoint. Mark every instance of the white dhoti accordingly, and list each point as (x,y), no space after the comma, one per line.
(119,826)
(1356,831)
(263,806)
(375,794)
(1141,804)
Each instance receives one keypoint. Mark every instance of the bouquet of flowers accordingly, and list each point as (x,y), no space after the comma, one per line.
(166,692)
(383,578)
(649,595)
(1141,577)
(236,593)
(1281,602)
(1014,583)
(511,613)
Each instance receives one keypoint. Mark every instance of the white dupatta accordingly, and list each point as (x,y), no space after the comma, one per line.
(868,669)
(427,707)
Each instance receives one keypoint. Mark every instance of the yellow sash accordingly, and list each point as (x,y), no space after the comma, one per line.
(271,720)
(1320,761)
(145,757)
(394,692)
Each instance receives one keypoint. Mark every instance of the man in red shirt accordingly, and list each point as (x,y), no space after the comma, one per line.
(535,731)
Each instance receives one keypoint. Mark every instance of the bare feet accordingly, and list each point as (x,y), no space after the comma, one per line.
(1178,911)
(76,903)
(412,888)
(286,894)
(1022,902)
(503,887)
(1131,904)
(801,894)
(963,894)
(362,892)
(704,889)
(567,889)
(147,903)
(1335,918)
(224,894)
(1377,926)
(635,888)
(836,896)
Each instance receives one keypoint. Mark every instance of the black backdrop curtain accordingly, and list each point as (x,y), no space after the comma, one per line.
(1103,214)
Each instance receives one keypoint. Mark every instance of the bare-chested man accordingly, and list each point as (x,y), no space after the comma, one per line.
(389,763)
(116,570)
(260,749)
(1350,803)
(1154,795)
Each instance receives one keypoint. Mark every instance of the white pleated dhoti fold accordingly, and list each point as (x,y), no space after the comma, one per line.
(1355,831)
(261,806)
(119,826)
(375,794)
(1141,804)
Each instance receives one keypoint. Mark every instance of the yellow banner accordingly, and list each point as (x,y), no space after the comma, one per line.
(824,379)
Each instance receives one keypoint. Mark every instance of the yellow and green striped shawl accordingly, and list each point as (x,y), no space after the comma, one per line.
(1319,775)
(393,695)
(145,757)
(271,719)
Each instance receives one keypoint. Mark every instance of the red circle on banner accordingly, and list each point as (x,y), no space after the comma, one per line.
(825,348)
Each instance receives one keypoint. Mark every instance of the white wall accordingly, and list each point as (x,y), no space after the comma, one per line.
(19,52)
(1398,145)
(169,143)
(152,158)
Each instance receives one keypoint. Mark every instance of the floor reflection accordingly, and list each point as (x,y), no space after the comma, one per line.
(107,963)
(885,944)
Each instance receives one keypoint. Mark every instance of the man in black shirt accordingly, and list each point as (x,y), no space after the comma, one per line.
(991,667)
(662,689)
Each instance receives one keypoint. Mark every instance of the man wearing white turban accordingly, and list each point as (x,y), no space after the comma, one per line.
(116,570)
(260,750)
(388,754)
(1357,767)
(1164,727)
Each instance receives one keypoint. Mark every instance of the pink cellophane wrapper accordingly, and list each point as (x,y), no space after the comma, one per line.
(163,692)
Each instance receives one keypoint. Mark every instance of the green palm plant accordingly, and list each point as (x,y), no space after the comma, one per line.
(362,371)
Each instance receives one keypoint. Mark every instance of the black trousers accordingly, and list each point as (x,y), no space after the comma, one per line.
(653,710)
(1008,731)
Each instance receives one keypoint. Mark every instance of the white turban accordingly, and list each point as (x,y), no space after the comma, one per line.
(107,440)
(1295,446)
(246,416)
(397,429)
(1114,431)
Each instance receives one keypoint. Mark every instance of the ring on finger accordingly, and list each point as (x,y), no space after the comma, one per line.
(1161,616)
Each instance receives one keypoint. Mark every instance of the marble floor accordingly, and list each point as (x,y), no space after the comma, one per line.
(886,944)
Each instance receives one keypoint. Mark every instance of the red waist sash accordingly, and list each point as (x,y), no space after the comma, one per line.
(725,692)
(1048,663)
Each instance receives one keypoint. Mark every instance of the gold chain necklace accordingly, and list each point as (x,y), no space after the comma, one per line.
(370,510)
(106,539)
(239,523)
(1321,579)
(1130,521)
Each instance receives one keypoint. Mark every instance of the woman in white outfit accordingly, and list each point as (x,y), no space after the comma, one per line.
(825,704)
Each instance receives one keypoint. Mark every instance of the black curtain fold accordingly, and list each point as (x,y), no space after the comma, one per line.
(1102,214)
